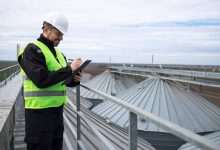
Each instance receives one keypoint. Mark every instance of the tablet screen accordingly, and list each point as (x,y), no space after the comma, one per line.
(83,65)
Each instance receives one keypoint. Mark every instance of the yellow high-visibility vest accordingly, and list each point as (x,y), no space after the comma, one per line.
(52,96)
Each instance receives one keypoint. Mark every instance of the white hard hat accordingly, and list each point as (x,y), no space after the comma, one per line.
(57,20)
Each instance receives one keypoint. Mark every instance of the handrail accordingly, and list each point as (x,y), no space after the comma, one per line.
(7,74)
(8,67)
(173,128)
(170,79)
(199,74)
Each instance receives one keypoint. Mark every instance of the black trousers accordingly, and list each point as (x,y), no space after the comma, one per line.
(46,142)
(44,129)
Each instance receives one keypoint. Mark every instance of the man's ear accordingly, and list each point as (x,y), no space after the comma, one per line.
(46,31)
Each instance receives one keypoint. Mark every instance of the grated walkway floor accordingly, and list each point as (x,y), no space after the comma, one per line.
(19,130)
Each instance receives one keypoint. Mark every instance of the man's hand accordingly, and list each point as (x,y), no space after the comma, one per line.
(76,64)
(77,77)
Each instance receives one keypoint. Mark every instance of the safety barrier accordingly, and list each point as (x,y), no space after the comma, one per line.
(187,73)
(7,110)
(8,73)
(200,83)
(180,132)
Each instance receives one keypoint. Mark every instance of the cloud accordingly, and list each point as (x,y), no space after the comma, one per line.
(189,23)
(110,12)
(118,28)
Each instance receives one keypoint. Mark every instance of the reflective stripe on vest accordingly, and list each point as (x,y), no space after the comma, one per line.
(52,96)
(44,93)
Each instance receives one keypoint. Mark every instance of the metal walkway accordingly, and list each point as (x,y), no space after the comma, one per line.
(19,130)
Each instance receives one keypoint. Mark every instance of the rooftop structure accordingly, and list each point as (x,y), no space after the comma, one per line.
(105,82)
(168,100)
(215,137)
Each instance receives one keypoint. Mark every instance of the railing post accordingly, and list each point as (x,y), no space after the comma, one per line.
(78,116)
(132,131)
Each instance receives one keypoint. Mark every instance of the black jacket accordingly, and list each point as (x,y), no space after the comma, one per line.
(34,65)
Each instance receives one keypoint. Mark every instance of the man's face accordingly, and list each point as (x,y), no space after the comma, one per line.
(54,36)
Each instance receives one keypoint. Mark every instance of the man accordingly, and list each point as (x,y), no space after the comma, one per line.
(46,75)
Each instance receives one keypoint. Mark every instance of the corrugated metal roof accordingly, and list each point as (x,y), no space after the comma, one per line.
(105,82)
(215,137)
(167,100)
(127,81)
(116,138)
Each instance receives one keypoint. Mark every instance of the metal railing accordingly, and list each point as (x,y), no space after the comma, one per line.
(170,79)
(7,125)
(180,132)
(193,74)
(8,73)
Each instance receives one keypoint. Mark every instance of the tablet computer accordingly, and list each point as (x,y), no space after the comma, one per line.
(82,66)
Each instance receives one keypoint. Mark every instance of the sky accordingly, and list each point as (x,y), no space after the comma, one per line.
(173,31)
